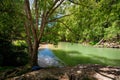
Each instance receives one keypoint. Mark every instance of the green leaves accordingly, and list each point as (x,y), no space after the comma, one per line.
(10,19)
(91,20)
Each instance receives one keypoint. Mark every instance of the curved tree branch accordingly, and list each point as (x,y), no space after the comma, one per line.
(56,5)
(55,19)
(72,1)
(77,3)
(69,28)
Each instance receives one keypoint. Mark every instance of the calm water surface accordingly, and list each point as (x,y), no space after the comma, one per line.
(109,56)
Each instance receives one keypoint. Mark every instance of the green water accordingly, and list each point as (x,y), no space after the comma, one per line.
(73,53)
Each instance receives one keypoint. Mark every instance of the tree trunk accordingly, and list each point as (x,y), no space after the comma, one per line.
(33,44)
(34,56)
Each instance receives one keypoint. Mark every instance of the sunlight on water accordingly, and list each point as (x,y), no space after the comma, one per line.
(88,50)
(105,55)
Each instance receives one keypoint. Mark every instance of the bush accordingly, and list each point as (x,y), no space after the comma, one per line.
(12,55)
(20,58)
(5,50)
(1,59)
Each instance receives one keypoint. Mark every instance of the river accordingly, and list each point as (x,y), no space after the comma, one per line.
(81,54)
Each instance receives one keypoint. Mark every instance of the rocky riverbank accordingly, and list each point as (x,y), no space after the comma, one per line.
(108,45)
(79,72)
(101,44)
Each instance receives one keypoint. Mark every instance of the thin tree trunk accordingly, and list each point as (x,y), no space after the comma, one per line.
(36,13)
(33,44)
(34,57)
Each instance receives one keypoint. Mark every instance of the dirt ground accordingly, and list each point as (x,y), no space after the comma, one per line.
(79,72)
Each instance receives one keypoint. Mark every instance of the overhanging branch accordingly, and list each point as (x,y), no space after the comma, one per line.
(55,2)
(69,28)
(72,1)
(55,19)
(76,3)
(55,7)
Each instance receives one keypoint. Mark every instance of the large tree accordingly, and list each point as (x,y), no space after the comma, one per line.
(38,14)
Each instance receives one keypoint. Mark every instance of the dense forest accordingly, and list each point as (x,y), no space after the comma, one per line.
(24,24)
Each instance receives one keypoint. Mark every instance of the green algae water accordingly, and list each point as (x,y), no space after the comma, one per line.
(73,54)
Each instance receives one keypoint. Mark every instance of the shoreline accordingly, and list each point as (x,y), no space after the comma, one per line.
(108,45)
(98,45)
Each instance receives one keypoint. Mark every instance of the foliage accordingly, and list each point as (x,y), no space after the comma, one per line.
(92,21)
(5,47)
(10,30)
(12,55)
(10,21)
